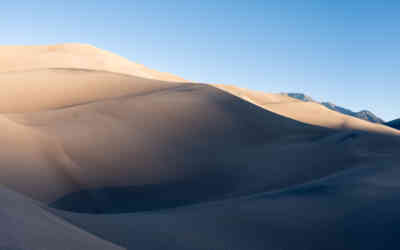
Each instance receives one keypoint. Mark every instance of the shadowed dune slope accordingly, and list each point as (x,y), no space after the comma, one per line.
(358,209)
(73,55)
(157,137)
(25,225)
(183,137)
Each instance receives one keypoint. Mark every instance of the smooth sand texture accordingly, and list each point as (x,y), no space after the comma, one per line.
(73,55)
(105,143)
(25,225)
(355,210)
(165,135)
(45,89)
(307,112)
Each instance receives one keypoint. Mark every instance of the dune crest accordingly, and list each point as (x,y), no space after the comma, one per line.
(74,55)
(307,112)
(43,89)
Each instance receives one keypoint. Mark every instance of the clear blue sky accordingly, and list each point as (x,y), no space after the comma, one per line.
(343,51)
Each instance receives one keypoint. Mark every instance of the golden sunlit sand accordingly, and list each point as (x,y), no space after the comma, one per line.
(74,56)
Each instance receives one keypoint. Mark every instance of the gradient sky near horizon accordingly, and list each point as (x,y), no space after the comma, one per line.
(343,51)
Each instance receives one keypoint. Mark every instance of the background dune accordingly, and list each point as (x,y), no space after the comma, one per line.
(307,112)
(76,56)
(90,135)
(45,89)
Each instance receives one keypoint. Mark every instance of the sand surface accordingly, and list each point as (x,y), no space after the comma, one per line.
(307,112)
(76,56)
(107,154)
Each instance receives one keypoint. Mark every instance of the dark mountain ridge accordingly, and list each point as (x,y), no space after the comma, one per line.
(394,124)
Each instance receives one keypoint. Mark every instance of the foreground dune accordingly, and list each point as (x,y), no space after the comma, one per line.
(25,225)
(357,209)
(113,160)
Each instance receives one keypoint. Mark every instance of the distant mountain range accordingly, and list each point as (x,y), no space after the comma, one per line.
(364,114)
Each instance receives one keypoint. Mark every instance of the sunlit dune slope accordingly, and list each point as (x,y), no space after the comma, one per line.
(307,112)
(73,55)
(44,89)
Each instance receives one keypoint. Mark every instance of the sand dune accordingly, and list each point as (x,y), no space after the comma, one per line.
(44,89)
(159,136)
(189,133)
(354,210)
(307,112)
(89,135)
(25,225)
(73,55)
